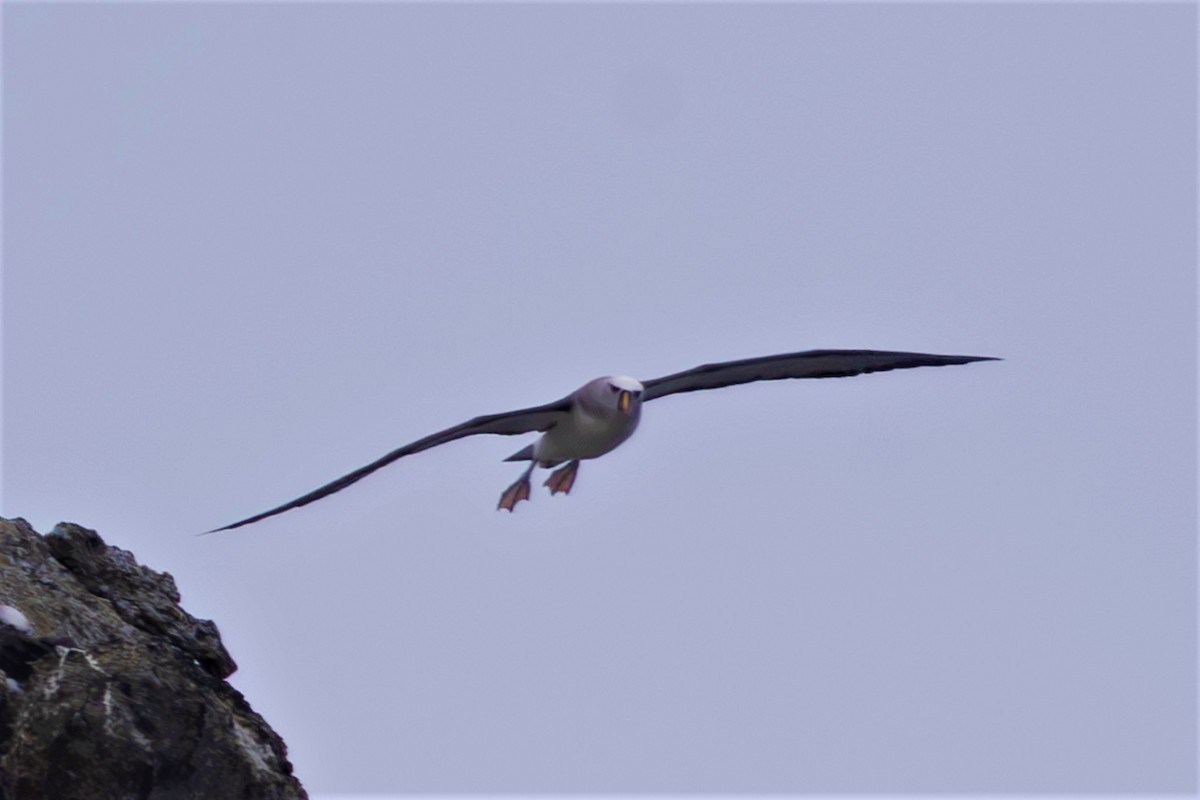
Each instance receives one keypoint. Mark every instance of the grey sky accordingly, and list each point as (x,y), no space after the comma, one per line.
(251,247)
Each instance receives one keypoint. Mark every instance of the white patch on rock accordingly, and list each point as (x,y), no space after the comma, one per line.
(93,663)
(259,754)
(55,679)
(11,615)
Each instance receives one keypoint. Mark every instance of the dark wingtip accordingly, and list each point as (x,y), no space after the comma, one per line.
(248,520)
(947,360)
(226,528)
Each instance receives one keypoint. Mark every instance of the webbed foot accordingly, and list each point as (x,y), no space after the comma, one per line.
(514,494)
(563,478)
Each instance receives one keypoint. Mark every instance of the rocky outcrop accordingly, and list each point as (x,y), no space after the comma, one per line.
(109,690)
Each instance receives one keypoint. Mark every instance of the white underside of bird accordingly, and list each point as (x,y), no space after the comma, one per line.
(600,415)
(593,427)
(603,414)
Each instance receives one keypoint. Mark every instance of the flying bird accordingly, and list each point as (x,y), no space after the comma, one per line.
(603,413)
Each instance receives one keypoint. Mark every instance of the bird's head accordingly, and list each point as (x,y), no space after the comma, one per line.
(622,393)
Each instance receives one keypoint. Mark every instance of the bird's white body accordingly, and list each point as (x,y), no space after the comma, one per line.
(595,424)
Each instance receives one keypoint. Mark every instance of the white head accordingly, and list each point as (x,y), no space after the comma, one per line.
(627,393)
(626,383)
(618,393)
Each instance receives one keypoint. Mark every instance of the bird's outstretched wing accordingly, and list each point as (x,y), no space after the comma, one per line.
(809,364)
(510,423)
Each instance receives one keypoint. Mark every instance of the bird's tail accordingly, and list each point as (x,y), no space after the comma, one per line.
(524,454)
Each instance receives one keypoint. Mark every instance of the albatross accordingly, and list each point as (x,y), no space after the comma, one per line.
(600,415)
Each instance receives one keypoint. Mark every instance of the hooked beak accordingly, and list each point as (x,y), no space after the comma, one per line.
(625,403)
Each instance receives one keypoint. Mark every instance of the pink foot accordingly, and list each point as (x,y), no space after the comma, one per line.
(514,494)
(563,478)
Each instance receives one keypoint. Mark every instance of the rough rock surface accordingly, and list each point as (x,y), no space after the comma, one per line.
(109,690)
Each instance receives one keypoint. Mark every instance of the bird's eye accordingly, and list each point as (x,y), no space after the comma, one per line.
(612,388)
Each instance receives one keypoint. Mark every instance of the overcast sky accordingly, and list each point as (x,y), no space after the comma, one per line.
(249,248)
